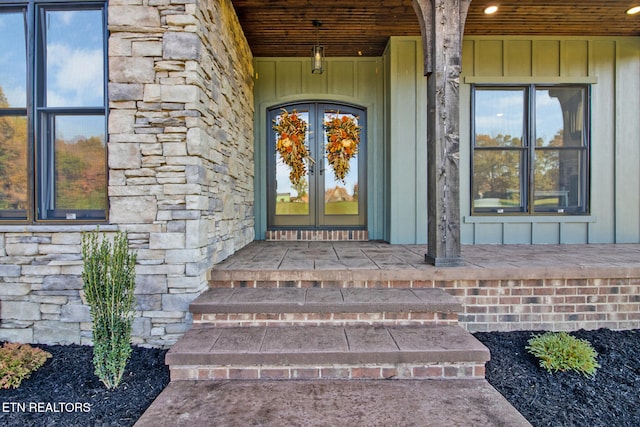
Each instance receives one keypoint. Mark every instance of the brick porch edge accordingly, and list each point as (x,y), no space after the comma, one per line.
(512,304)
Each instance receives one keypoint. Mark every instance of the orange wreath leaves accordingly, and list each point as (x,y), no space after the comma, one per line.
(292,133)
(343,140)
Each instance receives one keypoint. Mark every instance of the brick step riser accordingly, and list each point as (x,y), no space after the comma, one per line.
(331,284)
(467,370)
(264,334)
(317,319)
(318,235)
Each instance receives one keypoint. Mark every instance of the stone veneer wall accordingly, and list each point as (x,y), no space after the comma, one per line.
(180,176)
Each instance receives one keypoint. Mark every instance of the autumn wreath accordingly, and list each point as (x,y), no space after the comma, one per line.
(343,138)
(292,132)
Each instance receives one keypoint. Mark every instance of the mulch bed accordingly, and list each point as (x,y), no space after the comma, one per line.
(66,392)
(611,398)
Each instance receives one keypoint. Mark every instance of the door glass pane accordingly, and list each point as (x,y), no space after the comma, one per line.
(13,60)
(557,180)
(74,58)
(13,167)
(340,194)
(291,199)
(497,183)
(80,163)
(499,117)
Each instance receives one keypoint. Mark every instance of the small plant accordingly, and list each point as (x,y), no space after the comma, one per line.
(109,282)
(562,352)
(18,361)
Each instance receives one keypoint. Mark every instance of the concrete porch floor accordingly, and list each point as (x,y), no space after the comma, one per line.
(356,260)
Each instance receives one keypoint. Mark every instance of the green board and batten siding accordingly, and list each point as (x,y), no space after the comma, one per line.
(612,67)
(393,90)
(406,130)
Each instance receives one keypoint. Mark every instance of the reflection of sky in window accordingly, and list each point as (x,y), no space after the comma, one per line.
(73,128)
(13,62)
(501,112)
(75,61)
(548,116)
(282,177)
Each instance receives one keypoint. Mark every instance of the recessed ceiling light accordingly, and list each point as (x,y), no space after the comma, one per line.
(633,10)
(489,10)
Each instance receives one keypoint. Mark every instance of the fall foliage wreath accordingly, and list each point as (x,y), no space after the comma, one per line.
(343,138)
(292,132)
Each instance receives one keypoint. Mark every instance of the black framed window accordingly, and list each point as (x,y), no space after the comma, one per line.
(53,110)
(530,149)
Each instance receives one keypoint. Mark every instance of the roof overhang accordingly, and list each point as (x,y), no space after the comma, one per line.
(363,27)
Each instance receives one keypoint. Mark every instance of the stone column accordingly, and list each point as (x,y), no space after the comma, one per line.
(442,25)
(180,149)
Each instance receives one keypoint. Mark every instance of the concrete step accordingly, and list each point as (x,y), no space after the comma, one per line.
(327,352)
(323,300)
(289,306)
(331,403)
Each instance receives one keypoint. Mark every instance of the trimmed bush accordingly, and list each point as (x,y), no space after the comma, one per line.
(562,352)
(109,282)
(18,361)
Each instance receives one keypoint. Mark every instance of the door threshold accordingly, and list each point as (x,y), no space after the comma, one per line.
(318,235)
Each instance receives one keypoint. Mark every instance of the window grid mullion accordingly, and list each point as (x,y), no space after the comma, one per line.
(531,158)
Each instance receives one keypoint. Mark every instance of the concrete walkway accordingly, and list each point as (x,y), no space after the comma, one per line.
(437,403)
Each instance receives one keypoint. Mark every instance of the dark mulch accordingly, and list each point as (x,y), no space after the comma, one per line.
(610,398)
(66,392)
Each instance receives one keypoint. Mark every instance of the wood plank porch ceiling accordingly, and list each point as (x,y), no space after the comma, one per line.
(362,28)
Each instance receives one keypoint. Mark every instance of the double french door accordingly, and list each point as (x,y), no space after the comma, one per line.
(319,199)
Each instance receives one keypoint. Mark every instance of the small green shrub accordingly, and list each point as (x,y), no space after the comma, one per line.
(109,282)
(562,352)
(18,361)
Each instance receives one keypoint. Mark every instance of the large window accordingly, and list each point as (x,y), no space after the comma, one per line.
(530,149)
(53,159)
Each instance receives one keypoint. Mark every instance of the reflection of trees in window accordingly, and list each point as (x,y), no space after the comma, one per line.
(13,159)
(546,170)
(497,170)
(301,187)
(510,173)
(81,180)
